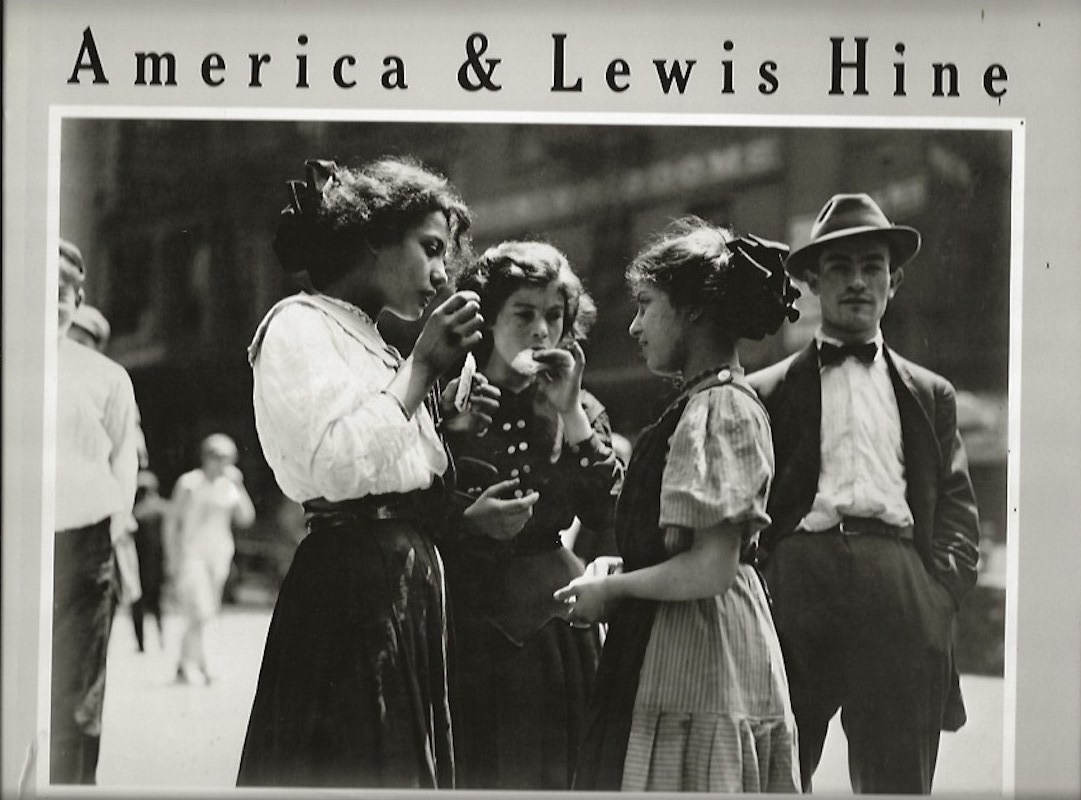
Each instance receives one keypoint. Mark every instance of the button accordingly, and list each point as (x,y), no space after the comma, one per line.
(506,426)
(725,375)
(514,473)
(584,462)
(523,446)
(525,469)
(520,423)
(518,492)
(510,450)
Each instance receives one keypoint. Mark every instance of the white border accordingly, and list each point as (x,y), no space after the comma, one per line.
(59,112)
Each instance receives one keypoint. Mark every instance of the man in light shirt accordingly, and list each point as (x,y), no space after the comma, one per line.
(874,535)
(96,467)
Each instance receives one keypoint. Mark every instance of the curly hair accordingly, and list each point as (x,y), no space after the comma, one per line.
(505,268)
(740,281)
(342,208)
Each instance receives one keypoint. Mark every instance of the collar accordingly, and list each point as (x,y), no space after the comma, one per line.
(348,307)
(348,317)
(722,372)
(821,338)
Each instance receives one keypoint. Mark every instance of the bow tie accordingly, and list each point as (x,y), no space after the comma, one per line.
(829,354)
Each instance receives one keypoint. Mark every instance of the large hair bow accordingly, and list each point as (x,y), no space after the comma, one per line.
(294,240)
(304,195)
(764,260)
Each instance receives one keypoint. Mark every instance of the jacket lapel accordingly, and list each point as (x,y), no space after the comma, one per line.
(796,414)
(923,460)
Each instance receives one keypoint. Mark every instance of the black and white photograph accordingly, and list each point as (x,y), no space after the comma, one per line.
(233,651)
(413,397)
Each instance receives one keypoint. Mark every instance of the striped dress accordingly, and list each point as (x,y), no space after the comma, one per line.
(696,696)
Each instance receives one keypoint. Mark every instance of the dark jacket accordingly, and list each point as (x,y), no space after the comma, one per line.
(939,490)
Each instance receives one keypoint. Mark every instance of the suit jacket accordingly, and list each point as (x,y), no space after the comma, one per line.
(939,490)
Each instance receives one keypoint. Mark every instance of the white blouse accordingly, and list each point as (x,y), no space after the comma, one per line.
(325,425)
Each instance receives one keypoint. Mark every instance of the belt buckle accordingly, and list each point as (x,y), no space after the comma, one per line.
(844,529)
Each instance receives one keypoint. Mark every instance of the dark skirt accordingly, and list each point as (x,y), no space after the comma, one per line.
(521,677)
(352,690)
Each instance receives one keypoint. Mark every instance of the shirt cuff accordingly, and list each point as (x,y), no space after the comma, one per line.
(397,402)
(587,452)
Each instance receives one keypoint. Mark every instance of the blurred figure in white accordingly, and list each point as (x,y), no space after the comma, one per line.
(96,467)
(199,546)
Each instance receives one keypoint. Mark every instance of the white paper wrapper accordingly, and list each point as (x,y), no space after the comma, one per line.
(465,382)
(525,364)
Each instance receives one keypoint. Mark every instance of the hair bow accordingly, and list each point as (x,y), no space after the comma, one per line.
(766,259)
(304,195)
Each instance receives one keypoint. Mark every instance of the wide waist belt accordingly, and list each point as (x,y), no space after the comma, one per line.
(870,526)
(377,506)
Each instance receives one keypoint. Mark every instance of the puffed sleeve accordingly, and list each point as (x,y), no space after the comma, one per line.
(327,430)
(720,463)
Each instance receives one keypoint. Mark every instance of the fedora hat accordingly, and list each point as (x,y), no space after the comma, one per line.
(846,215)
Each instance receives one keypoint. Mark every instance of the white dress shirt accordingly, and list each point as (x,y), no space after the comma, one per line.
(325,425)
(862,455)
(96,433)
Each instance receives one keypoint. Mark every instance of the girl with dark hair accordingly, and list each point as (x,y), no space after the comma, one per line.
(521,675)
(352,688)
(691,689)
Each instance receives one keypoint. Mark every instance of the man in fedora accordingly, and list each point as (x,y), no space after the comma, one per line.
(873,541)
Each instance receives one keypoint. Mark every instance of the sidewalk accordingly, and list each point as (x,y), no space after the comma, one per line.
(160,734)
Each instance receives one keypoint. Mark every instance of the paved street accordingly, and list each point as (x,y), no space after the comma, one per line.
(158,733)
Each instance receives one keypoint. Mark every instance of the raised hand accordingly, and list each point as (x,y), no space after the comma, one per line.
(498,513)
(561,379)
(453,328)
(478,413)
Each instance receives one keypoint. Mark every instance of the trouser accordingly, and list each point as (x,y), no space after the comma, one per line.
(867,630)
(84,600)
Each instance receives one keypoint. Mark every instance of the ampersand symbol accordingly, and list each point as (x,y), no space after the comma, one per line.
(475,46)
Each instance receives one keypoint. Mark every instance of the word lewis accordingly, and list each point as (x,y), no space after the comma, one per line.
(673,75)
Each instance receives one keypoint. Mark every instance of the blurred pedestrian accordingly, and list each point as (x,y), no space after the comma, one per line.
(522,675)
(149,512)
(96,466)
(352,688)
(874,536)
(205,505)
(90,327)
(691,690)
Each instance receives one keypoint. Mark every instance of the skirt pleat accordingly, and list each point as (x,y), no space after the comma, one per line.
(712,711)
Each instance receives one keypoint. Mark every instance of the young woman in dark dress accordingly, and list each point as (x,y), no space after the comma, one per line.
(352,689)
(521,675)
(691,692)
